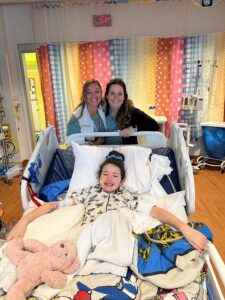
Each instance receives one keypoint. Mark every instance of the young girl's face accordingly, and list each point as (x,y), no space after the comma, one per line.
(110,178)
(115,96)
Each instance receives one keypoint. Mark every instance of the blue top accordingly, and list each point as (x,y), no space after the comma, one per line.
(111,126)
(73,126)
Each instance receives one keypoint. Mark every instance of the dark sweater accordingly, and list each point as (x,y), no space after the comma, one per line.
(142,122)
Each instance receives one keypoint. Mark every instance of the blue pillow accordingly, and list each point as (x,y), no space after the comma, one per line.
(61,166)
(51,191)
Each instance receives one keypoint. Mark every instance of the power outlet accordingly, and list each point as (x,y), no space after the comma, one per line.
(6,130)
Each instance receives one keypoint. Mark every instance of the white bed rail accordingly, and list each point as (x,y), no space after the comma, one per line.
(184,168)
(48,143)
(43,151)
(214,259)
(153,139)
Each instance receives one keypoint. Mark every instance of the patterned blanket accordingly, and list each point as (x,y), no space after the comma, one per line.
(160,269)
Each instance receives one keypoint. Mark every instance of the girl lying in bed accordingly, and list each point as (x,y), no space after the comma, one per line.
(108,195)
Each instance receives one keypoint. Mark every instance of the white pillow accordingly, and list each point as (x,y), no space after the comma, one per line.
(174,203)
(137,165)
(87,162)
(89,158)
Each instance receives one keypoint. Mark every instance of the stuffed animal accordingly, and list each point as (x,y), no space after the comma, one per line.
(38,263)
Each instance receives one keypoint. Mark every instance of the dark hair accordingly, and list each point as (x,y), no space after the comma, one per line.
(84,94)
(115,158)
(124,114)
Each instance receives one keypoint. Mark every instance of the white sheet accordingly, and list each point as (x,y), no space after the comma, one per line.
(104,239)
(65,223)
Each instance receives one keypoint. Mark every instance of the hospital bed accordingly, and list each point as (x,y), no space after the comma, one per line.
(41,161)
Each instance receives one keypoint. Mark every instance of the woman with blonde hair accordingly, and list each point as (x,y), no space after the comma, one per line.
(89,115)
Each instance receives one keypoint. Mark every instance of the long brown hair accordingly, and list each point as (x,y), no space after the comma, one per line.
(84,94)
(124,113)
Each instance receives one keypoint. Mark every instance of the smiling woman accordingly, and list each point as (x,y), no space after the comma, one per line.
(122,115)
(89,115)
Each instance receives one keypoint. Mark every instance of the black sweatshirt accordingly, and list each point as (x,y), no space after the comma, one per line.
(142,122)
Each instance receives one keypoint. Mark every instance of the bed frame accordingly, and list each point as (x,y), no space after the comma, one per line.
(48,143)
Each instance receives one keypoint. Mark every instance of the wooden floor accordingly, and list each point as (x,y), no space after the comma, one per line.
(210,204)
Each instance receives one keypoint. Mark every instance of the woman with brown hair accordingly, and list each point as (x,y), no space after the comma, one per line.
(122,115)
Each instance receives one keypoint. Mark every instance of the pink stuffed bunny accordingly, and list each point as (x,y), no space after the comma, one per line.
(38,263)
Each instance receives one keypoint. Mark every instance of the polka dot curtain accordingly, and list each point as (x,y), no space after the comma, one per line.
(72,79)
(163,76)
(101,57)
(216,110)
(152,70)
(139,62)
(86,62)
(177,57)
(157,71)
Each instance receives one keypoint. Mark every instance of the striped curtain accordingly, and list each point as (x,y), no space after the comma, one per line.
(55,63)
(192,81)
(119,58)
(157,71)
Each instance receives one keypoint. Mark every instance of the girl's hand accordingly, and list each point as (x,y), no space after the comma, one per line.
(18,230)
(126,132)
(195,238)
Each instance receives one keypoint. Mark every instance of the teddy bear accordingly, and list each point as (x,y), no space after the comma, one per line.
(38,263)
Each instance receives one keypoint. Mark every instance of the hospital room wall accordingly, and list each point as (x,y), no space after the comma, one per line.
(19,26)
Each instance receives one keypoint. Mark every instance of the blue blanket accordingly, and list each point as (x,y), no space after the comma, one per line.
(154,258)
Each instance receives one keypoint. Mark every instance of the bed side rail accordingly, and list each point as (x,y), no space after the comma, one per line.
(47,145)
(40,161)
(152,139)
(214,260)
(184,167)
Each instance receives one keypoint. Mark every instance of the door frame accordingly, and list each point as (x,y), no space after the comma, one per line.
(27,48)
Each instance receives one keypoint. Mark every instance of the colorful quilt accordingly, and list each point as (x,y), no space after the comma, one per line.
(163,266)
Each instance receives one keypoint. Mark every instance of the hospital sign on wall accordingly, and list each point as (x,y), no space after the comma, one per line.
(103,20)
